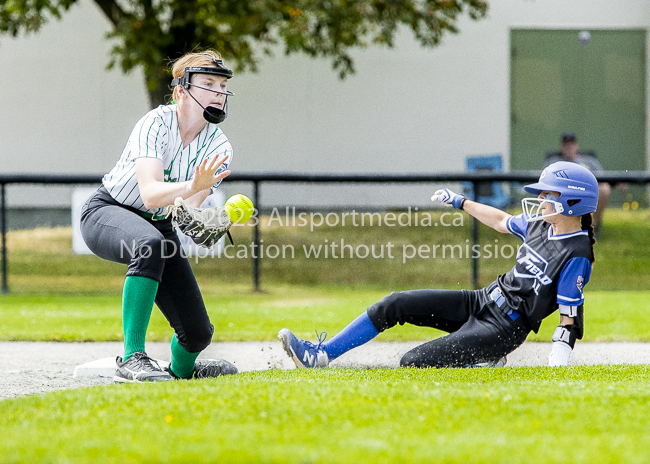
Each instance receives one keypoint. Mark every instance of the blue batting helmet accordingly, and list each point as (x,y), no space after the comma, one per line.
(575,184)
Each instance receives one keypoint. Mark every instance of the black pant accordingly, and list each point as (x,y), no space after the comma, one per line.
(479,331)
(150,249)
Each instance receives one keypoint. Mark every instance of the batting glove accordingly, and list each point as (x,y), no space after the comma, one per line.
(449,198)
(560,354)
(561,349)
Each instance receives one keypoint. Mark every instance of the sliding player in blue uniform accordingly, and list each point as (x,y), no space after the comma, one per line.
(552,268)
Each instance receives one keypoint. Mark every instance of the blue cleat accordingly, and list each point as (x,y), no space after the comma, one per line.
(304,353)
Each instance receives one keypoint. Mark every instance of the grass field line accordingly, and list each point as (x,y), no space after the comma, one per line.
(39,367)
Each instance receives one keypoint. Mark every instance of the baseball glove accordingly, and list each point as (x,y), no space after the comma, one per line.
(205,226)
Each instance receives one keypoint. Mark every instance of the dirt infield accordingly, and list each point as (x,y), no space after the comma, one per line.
(39,367)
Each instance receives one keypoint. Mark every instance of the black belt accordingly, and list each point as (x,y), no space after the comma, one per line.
(150,216)
(500,300)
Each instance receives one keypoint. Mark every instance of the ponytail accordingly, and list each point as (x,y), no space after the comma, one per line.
(586,223)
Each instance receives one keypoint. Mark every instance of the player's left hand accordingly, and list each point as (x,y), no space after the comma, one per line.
(560,354)
(205,226)
(561,349)
(449,198)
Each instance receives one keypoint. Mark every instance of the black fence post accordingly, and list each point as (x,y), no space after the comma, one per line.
(3,213)
(256,237)
(475,242)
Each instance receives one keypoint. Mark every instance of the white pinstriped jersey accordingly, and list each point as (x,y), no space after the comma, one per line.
(157,135)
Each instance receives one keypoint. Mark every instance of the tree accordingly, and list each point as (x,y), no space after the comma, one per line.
(149,33)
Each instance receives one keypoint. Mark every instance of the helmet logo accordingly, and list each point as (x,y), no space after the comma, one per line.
(574,187)
(561,174)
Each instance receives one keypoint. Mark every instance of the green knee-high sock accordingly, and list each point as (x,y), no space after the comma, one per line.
(182,364)
(137,301)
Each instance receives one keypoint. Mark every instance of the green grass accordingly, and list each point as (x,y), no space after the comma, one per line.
(586,414)
(510,415)
(609,316)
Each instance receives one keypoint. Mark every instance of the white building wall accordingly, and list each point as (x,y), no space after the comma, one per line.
(407,109)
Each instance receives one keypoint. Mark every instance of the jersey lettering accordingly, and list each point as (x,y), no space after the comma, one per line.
(533,264)
(546,272)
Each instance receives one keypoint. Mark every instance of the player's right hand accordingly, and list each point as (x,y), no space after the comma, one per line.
(204,174)
(449,198)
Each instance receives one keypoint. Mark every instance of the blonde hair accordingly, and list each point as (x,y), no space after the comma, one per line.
(191,59)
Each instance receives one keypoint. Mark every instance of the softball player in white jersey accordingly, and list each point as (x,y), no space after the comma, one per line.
(157,135)
(177,150)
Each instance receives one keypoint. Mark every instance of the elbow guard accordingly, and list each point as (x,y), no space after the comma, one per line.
(569,311)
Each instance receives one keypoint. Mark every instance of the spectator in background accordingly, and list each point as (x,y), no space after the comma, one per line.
(569,151)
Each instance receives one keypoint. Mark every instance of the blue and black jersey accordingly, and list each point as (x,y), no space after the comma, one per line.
(551,270)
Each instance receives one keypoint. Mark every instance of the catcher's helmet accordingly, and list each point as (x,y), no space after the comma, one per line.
(577,186)
(211,114)
(218,69)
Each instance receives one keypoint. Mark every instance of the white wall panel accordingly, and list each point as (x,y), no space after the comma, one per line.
(407,109)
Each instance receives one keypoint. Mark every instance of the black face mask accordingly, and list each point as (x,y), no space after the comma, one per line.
(212,114)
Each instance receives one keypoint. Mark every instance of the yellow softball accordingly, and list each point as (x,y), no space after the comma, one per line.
(239,208)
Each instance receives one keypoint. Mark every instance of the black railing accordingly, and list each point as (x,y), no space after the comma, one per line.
(613,177)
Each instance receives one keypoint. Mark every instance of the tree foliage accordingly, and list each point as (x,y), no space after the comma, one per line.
(149,33)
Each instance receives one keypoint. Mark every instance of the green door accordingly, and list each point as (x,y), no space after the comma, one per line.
(589,82)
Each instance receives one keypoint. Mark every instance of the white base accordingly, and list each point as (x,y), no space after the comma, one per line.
(104,367)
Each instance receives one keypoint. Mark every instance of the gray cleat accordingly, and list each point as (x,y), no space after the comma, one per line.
(206,368)
(139,368)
